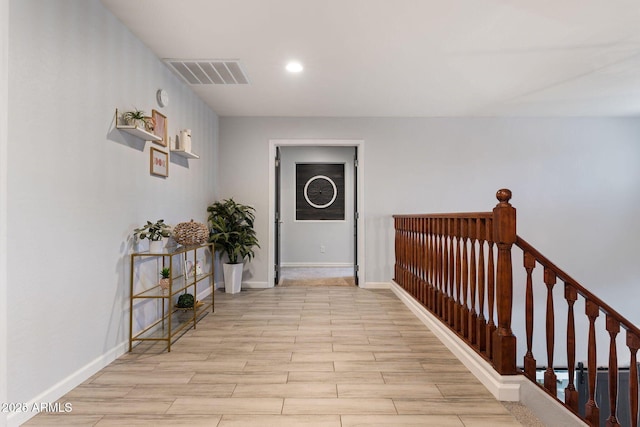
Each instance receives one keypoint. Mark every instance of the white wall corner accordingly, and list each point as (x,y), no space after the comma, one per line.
(507,388)
(4,142)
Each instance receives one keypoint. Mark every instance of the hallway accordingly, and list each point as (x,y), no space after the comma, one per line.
(293,356)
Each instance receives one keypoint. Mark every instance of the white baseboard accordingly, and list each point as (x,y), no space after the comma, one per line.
(375,285)
(508,388)
(256,285)
(247,285)
(317,264)
(67,384)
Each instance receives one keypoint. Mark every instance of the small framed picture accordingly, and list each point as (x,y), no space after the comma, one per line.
(160,127)
(159,162)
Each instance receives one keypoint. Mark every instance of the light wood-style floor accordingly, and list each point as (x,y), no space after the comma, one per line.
(290,356)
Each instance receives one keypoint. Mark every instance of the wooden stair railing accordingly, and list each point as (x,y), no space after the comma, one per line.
(459,267)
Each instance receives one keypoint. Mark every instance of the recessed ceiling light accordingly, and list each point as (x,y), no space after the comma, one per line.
(294,67)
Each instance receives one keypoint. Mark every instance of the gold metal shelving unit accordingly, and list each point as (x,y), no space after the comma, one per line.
(173,320)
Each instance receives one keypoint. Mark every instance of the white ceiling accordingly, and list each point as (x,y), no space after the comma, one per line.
(405,58)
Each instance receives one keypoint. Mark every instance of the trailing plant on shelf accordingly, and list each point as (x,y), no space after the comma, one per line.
(153,231)
(139,118)
(231,230)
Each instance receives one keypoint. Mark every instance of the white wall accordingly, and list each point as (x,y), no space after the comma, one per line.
(77,187)
(301,240)
(4,111)
(575,183)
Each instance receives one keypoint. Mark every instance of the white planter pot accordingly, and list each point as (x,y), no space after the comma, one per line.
(232,277)
(156,246)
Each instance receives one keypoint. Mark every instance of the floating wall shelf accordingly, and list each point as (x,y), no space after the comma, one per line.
(185,154)
(136,131)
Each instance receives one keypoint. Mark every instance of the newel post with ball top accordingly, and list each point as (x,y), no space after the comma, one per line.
(504,234)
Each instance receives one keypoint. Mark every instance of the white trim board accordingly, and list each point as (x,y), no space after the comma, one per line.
(316,264)
(273,143)
(508,388)
(69,383)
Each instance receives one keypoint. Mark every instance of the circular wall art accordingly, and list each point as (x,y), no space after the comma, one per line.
(320,191)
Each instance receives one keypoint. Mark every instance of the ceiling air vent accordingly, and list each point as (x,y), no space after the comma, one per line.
(209,71)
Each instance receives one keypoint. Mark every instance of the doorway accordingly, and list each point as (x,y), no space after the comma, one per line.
(303,248)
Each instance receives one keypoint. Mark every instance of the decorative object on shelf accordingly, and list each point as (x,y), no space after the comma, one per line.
(184,142)
(160,128)
(185,301)
(194,270)
(159,162)
(191,233)
(137,129)
(162,97)
(155,232)
(166,278)
(182,145)
(138,118)
(231,231)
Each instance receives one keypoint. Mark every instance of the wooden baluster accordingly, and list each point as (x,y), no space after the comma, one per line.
(481,328)
(416,257)
(434,267)
(633,342)
(458,314)
(529,360)
(429,263)
(445,275)
(613,327)
(448,271)
(465,280)
(402,251)
(426,262)
(570,392)
(409,249)
(412,247)
(412,255)
(504,232)
(439,266)
(592,412)
(396,247)
(491,325)
(434,259)
(452,261)
(423,261)
(473,314)
(550,378)
(445,271)
(443,268)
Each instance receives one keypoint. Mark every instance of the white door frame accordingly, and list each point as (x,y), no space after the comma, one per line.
(273,143)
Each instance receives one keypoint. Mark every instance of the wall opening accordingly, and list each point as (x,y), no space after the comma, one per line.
(302,248)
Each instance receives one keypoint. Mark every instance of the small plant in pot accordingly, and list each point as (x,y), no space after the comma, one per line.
(232,233)
(165,273)
(155,232)
(185,301)
(139,118)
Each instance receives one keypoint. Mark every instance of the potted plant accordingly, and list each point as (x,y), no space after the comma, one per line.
(139,118)
(231,231)
(165,273)
(155,232)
